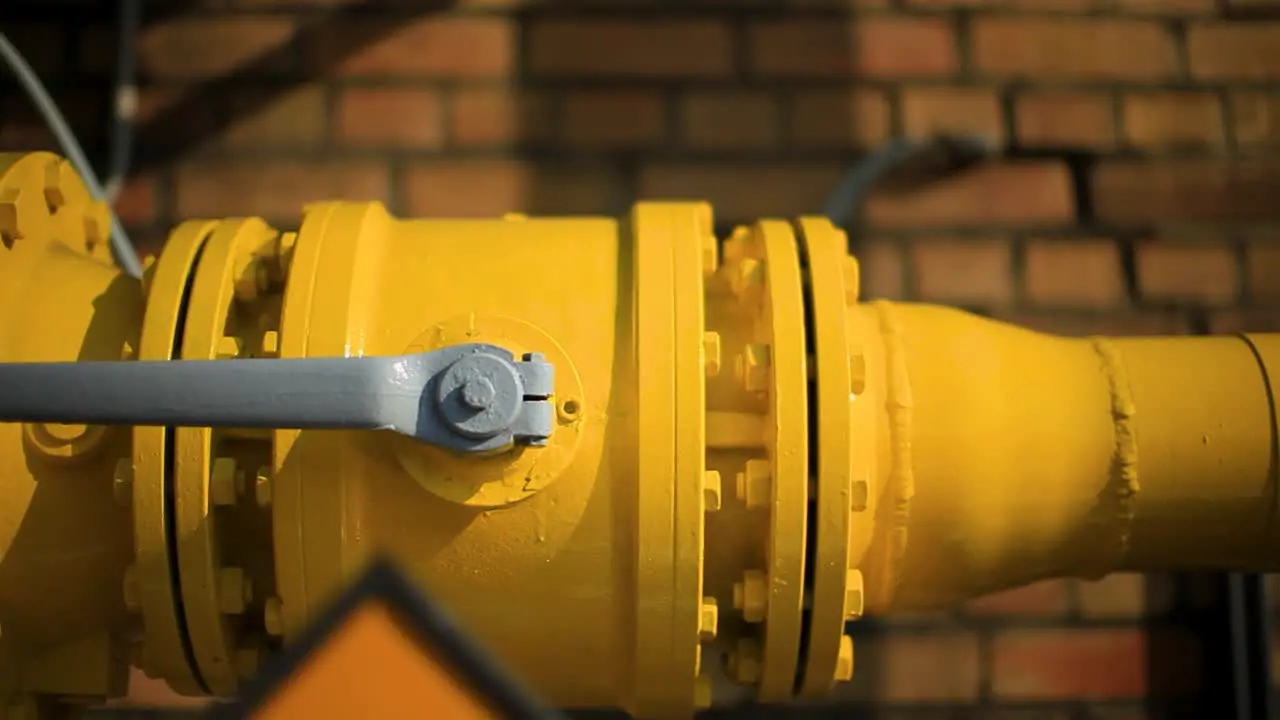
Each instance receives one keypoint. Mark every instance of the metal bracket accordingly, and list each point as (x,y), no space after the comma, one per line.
(469,398)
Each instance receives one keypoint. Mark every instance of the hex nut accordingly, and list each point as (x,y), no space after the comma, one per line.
(253,281)
(857,372)
(748,274)
(710,254)
(844,660)
(711,353)
(273,616)
(711,490)
(235,590)
(751,595)
(229,347)
(854,595)
(226,481)
(271,344)
(859,493)
(852,280)
(708,619)
(755,483)
(752,367)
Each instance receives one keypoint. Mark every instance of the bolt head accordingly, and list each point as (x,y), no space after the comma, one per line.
(755,483)
(854,595)
(478,393)
(468,376)
(225,481)
(751,595)
(234,590)
(273,616)
(711,490)
(708,620)
(844,660)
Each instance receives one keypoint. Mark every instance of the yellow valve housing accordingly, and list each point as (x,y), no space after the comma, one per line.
(745,457)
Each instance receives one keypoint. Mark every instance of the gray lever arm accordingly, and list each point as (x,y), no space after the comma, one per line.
(470,398)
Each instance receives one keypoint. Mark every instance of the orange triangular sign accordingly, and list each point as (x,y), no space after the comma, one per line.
(384,651)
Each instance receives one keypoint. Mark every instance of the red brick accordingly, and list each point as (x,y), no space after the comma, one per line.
(1164,119)
(137,201)
(1048,598)
(882,269)
(391,117)
(1263,267)
(744,192)
(480,117)
(293,119)
(632,48)
(1168,7)
(1037,5)
(1014,193)
(969,271)
(1120,595)
(196,47)
(839,118)
(1178,271)
(1076,272)
(933,111)
(276,190)
(489,188)
(1073,48)
(1245,319)
(450,47)
(869,47)
(1069,664)
(614,118)
(1110,322)
(1066,119)
(1257,119)
(917,668)
(730,121)
(1147,193)
(1241,51)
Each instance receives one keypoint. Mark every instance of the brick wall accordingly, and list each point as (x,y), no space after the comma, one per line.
(1134,192)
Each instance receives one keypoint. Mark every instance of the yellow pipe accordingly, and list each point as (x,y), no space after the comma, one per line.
(745,457)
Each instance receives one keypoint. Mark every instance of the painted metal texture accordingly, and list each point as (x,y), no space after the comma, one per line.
(744,457)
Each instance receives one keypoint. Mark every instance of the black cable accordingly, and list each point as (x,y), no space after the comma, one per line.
(125,103)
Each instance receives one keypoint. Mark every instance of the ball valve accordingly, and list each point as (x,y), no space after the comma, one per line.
(676,463)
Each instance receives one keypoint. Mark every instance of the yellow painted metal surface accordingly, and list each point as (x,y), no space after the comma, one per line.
(745,457)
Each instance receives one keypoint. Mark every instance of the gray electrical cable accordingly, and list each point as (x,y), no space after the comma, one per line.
(121,248)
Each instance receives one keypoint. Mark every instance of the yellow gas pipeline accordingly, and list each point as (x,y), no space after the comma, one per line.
(741,459)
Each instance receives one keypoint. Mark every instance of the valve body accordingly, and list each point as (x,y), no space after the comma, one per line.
(744,457)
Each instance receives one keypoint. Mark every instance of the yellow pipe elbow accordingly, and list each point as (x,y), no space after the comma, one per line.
(744,458)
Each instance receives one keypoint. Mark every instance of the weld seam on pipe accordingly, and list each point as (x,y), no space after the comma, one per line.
(1122,485)
(898,406)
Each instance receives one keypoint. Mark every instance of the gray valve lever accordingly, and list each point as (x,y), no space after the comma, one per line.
(471,397)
